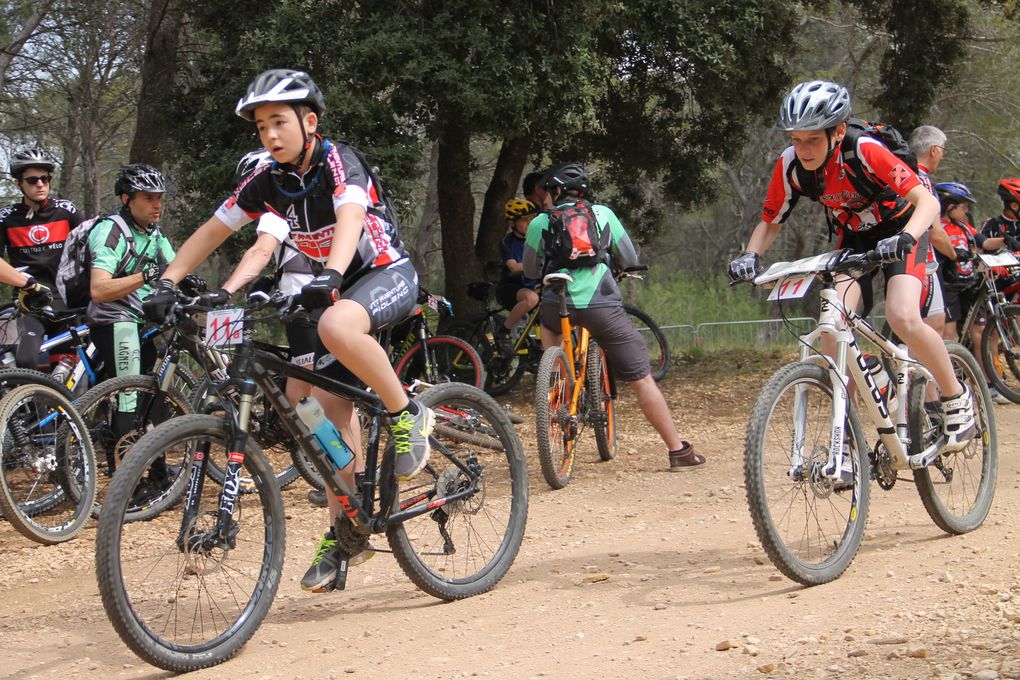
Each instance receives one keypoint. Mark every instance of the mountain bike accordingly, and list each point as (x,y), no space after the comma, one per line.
(418,354)
(574,388)
(189,590)
(47,466)
(807,460)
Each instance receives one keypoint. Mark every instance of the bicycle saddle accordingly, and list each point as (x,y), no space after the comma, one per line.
(557,278)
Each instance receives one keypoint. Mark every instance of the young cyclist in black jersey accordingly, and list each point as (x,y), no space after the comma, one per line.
(893,222)
(595,302)
(337,218)
(1004,230)
(32,232)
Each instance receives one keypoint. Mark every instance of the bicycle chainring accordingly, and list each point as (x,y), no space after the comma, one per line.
(881,467)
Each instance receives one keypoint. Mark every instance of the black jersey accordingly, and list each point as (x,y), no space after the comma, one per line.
(35,240)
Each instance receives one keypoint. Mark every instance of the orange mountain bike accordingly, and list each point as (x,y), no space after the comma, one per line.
(574,388)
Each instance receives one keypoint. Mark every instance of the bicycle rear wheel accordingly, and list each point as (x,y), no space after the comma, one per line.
(46,462)
(502,371)
(809,527)
(446,359)
(1000,352)
(555,426)
(957,490)
(465,545)
(658,348)
(117,412)
(180,597)
(601,402)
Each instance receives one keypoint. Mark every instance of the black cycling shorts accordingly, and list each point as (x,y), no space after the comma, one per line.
(625,347)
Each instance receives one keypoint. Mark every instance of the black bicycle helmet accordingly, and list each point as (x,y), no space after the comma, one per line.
(567,177)
(282,85)
(814,105)
(951,193)
(139,177)
(248,163)
(31,157)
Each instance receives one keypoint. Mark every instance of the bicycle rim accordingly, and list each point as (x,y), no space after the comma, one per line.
(602,408)
(809,530)
(957,490)
(464,546)
(1000,351)
(554,426)
(189,607)
(47,466)
(658,347)
(447,359)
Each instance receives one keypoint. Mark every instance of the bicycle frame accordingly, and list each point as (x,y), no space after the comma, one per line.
(840,323)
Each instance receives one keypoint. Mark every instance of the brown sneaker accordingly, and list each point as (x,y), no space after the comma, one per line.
(685,458)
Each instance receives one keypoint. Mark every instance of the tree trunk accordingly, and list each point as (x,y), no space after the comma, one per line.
(31,24)
(159,70)
(457,213)
(512,157)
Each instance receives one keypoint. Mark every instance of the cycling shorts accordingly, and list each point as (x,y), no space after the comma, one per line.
(932,298)
(625,347)
(915,263)
(959,302)
(306,349)
(506,293)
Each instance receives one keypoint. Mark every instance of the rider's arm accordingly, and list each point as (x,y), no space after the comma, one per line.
(350,220)
(940,240)
(105,288)
(199,245)
(763,236)
(252,262)
(624,253)
(532,263)
(11,276)
(926,209)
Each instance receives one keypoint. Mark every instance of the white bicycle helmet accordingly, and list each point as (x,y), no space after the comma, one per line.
(814,105)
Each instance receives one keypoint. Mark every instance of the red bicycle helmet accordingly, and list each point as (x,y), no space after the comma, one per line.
(1009,189)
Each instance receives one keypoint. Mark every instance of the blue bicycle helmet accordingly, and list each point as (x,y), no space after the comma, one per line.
(954,192)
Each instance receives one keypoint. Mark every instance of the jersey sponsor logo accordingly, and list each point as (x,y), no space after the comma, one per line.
(899,175)
(336,168)
(38,234)
(314,244)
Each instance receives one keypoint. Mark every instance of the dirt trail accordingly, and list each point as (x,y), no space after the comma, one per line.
(630,569)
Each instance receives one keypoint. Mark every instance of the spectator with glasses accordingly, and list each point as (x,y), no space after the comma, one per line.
(32,232)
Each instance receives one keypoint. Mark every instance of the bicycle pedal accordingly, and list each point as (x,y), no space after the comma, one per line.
(340,582)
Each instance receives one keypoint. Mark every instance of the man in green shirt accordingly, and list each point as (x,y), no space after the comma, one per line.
(595,302)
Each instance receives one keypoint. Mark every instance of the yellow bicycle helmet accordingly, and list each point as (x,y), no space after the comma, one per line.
(516,208)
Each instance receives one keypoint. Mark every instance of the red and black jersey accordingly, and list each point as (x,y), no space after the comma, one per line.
(849,209)
(961,235)
(35,240)
(997,227)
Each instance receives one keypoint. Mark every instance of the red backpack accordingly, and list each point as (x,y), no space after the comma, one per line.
(573,239)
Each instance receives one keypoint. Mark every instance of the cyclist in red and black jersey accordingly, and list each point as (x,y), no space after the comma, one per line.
(32,232)
(337,217)
(1004,230)
(894,224)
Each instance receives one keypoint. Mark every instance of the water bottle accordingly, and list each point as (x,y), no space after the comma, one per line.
(310,412)
(62,371)
(881,380)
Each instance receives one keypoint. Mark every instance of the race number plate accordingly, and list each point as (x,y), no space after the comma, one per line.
(224,326)
(792,287)
(998,259)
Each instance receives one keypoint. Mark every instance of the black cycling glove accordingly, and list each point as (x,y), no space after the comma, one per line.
(895,248)
(161,299)
(323,290)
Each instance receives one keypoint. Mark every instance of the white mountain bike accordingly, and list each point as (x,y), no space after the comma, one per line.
(807,460)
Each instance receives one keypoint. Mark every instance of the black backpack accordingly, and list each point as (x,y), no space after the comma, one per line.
(74,273)
(573,239)
(810,183)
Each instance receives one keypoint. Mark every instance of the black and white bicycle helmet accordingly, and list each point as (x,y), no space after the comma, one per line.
(250,161)
(814,105)
(139,177)
(283,85)
(31,157)
(567,177)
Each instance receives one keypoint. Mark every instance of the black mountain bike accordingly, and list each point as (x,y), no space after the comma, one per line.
(188,591)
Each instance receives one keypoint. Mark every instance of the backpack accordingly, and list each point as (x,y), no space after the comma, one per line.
(573,239)
(74,275)
(810,181)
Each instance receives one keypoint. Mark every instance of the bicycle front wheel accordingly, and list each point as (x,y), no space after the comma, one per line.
(957,489)
(810,526)
(445,359)
(555,425)
(658,348)
(47,466)
(181,595)
(1000,351)
(601,402)
(479,495)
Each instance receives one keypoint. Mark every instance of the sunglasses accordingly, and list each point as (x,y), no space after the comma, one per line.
(40,179)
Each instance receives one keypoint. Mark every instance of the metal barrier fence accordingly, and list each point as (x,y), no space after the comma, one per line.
(723,334)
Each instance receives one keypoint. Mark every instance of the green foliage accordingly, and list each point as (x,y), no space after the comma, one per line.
(678,298)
